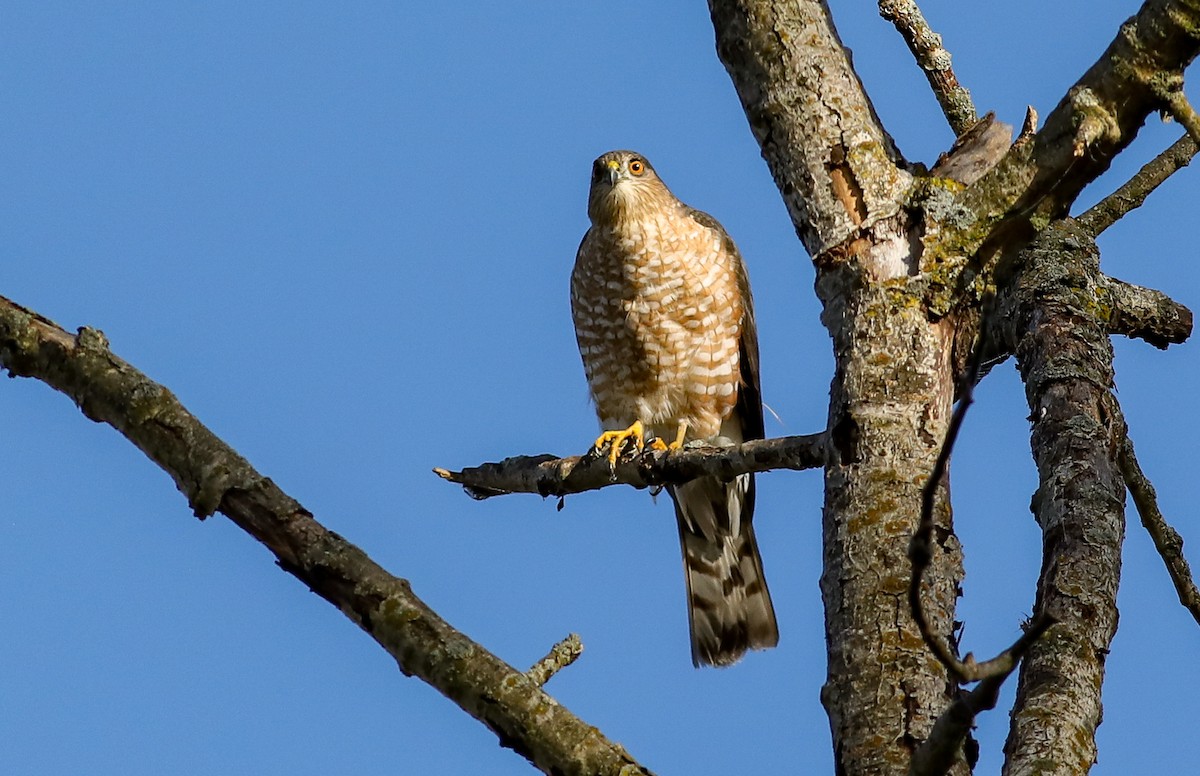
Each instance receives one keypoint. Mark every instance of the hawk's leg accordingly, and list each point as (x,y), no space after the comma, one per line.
(679,435)
(658,444)
(616,441)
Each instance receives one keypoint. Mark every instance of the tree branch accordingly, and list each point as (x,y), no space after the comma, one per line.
(561,655)
(1047,316)
(550,476)
(934,61)
(1182,111)
(1133,193)
(214,477)
(1167,540)
(920,553)
(1142,313)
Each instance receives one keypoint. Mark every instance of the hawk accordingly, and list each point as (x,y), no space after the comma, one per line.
(665,326)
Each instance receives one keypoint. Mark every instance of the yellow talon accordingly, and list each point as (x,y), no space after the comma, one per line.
(615,441)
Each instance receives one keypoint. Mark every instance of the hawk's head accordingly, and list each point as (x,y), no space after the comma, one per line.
(623,182)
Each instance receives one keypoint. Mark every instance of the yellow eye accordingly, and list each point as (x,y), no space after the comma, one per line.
(637,167)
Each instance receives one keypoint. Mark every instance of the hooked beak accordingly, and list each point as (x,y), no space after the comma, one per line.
(613,171)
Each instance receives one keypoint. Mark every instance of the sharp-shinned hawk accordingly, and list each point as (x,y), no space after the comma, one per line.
(665,326)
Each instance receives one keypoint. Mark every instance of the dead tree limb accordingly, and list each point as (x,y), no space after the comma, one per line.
(1166,539)
(214,478)
(933,59)
(547,475)
(1133,192)
(1047,316)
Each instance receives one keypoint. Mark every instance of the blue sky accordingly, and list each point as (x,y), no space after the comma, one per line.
(342,235)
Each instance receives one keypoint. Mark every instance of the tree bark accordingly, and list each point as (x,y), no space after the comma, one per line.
(844,181)
(1065,357)
(903,266)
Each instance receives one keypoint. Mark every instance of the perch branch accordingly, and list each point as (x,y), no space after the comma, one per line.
(1167,540)
(550,476)
(1133,193)
(561,655)
(214,477)
(934,61)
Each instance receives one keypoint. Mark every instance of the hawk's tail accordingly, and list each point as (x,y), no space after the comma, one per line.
(729,606)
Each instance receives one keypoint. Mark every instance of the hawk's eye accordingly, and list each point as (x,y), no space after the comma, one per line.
(637,167)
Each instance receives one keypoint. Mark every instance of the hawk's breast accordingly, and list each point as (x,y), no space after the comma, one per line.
(658,317)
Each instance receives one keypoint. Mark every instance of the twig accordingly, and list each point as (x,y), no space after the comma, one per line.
(1133,193)
(1167,540)
(214,477)
(550,476)
(1183,112)
(920,552)
(933,59)
(561,655)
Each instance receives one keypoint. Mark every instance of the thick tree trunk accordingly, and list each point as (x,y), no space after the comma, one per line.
(889,412)
(844,183)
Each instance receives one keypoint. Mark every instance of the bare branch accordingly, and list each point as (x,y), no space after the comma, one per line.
(215,478)
(933,59)
(561,655)
(1144,313)
(937,754)
(1047,316)
(550,476)
(1133,193)
(920,553)
(1167,540)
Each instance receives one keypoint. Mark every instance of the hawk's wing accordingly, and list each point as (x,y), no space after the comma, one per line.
(749,402)
(729,606)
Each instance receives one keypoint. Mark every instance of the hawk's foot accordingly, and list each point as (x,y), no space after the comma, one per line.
(617,441)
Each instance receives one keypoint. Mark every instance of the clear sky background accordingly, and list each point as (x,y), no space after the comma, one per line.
(342,234)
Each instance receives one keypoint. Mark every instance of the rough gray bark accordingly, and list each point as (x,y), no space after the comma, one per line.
(1048,316)
(844,184)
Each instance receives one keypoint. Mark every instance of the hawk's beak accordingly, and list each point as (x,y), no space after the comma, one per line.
(614,171)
